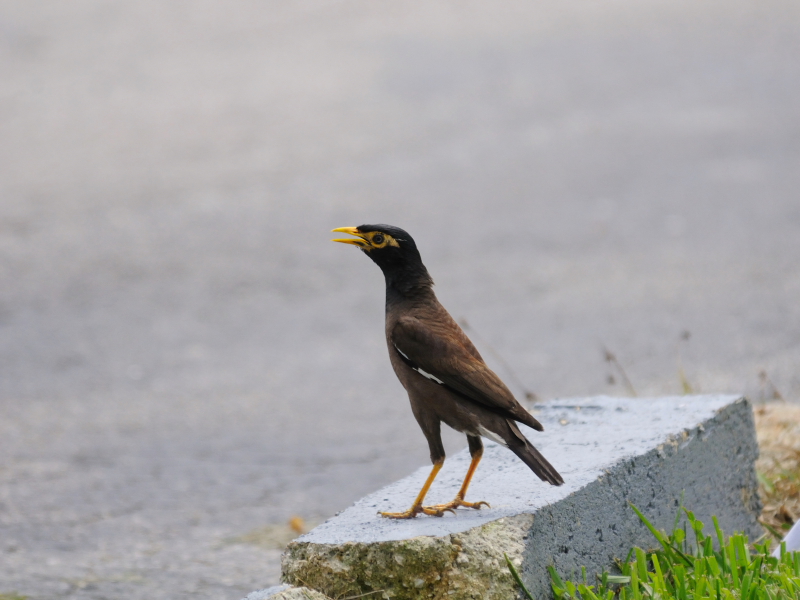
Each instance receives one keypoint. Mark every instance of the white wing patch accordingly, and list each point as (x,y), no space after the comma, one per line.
(491,435)
(429,376)
(417,369)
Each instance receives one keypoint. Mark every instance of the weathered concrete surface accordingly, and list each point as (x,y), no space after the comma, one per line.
(287,592)
(611,451)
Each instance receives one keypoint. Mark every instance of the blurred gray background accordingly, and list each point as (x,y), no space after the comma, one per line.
(186,359)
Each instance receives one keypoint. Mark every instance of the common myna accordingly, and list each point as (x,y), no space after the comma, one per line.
(444,375)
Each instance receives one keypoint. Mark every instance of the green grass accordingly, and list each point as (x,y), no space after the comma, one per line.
(689,569)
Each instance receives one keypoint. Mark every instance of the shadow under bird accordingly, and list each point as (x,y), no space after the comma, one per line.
(444,375)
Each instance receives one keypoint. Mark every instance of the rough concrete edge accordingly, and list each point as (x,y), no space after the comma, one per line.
(286,592)
(266,593)
(452,566)
(738,508)
(456,566)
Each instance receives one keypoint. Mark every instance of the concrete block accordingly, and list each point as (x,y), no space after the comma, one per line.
(653,452)
(287,592)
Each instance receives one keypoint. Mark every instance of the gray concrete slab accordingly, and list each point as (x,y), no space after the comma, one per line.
(657,453)
(584,439)
(268,592)
(286,592)
(186,359)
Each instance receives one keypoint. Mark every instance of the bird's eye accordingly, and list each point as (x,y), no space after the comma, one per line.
(377,238)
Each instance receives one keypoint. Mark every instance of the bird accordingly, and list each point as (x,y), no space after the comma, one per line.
(446,378)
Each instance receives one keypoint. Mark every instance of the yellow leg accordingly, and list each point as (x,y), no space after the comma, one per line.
(417,507)
(439,509)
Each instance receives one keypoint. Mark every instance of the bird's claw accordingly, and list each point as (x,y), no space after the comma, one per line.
(433,511)
(409,514)
(437,511)
(451,506)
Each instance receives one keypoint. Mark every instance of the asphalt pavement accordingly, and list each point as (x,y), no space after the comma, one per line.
(606,192)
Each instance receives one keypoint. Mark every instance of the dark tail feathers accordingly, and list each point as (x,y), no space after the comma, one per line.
(537,463)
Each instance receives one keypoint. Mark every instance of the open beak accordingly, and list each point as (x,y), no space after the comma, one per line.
(360,241)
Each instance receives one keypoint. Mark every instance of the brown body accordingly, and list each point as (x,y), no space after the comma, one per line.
(446,379)
(425,325)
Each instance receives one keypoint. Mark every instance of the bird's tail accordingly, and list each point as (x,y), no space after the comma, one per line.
(537,463)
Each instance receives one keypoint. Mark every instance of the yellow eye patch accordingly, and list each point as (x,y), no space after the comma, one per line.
(378,239)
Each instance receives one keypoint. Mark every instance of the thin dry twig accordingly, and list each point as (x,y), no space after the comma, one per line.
(611,359)
(529,395)
(766,384)
(362,595)
(686,387)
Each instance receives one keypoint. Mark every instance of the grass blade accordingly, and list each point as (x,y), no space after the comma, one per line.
(518,579)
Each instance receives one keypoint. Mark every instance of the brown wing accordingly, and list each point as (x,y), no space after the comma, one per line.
(443,353)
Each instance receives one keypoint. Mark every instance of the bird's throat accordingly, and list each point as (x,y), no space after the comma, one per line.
(403,285)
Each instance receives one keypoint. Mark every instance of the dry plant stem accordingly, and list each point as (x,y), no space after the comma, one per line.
(611,359)
(529,395)
(766,383)
(686,387)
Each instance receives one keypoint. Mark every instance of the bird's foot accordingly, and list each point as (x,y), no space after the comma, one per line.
(409,514)
(453,505)
(433,511)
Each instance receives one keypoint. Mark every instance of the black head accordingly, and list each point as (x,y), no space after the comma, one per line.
(394,251)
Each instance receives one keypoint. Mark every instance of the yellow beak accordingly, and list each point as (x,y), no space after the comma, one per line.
(359,241)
